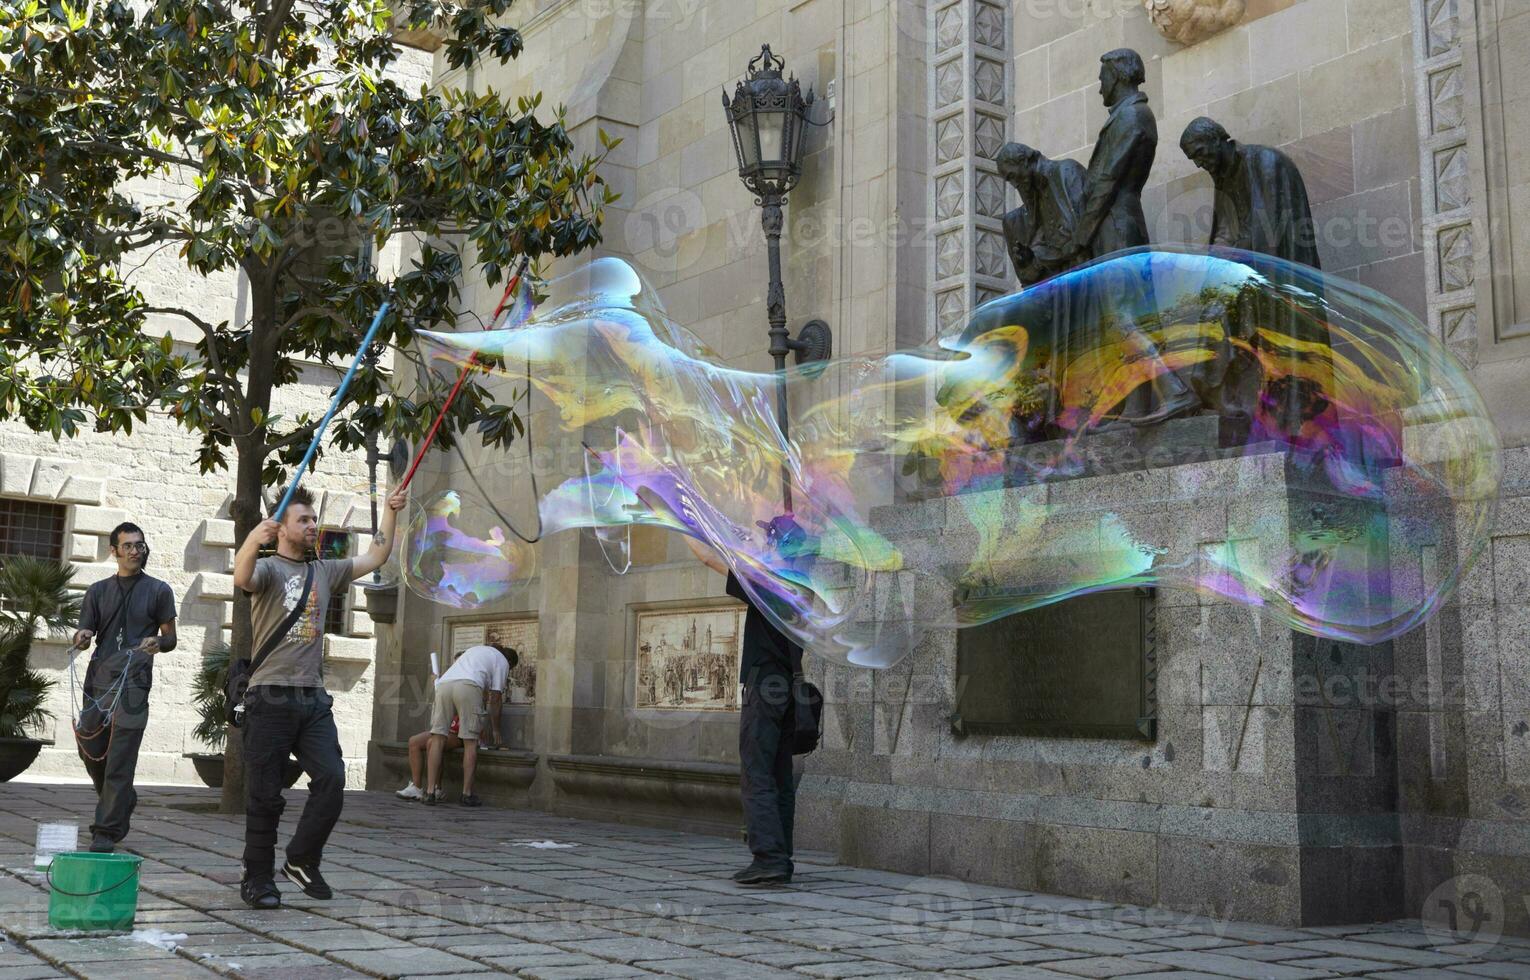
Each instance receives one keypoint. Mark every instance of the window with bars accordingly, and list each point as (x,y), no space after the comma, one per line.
(335,543)
(30,527)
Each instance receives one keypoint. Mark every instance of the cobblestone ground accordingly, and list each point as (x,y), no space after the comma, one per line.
(449,891)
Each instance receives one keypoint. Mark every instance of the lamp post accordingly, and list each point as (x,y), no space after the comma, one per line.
(766,116)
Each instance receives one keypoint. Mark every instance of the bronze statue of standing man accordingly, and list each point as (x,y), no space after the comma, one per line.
(1112,215)
(1112,219)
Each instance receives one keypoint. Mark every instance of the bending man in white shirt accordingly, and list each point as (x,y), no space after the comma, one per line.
(460,691)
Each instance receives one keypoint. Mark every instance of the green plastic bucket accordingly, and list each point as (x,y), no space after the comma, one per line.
(93,891)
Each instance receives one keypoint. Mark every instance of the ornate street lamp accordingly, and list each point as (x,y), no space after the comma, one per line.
(766,115)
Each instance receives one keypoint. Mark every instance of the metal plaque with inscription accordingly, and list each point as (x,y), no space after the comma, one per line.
(1081,668)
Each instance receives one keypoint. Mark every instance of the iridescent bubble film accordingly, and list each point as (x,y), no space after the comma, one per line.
(1221,422)
(461,554)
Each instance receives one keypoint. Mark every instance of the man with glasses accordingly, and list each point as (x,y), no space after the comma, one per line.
(131,617)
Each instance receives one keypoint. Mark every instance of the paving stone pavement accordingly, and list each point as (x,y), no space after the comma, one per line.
(449,892)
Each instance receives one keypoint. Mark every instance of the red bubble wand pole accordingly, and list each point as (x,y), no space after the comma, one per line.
(467,369)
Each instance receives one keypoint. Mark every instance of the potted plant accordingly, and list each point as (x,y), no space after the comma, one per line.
(208,694)
(37,602)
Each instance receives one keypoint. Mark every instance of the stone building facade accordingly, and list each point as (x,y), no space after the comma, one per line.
(1407,118)
(89,484)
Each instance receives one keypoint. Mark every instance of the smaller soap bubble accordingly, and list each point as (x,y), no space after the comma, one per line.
(461,554)
(346,531)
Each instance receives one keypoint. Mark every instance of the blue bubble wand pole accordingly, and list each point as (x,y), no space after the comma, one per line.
(334,407)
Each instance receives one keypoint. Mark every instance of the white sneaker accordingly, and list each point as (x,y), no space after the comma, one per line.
(410,792)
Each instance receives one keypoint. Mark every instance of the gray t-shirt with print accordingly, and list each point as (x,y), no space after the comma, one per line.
(298,661)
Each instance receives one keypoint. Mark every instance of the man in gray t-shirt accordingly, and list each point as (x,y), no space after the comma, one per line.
(275,589)
(287,711)
(131,618)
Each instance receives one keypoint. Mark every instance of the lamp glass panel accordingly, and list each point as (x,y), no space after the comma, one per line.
(748,140)
(772,127)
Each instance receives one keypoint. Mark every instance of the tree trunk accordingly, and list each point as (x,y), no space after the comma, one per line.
(248,509)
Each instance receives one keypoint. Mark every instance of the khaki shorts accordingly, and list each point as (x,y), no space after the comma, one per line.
(463,699)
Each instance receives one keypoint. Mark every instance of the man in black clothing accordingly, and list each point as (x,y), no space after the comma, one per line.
(286,709)
(765,725)
(131,616)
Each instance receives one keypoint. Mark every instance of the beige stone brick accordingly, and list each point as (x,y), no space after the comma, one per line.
(808,24)
(218,533)
(48,478)
(1075,58)
(1214,69)
(1268,114)
(1357,86)
(706,70)
(1298,37)
(87,574)
(209,585)
(97,520)
(1327,163)
(1386,149)
(1056,126)
(1032,82)
(84,547)
(1039,22)
(16,474)
(681,126)
(1370,21)
(867,43)
(82,490)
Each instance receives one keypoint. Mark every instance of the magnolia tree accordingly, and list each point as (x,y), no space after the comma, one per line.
(298,157)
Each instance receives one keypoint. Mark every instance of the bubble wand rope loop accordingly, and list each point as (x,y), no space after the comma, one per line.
(334,407)
(467,369)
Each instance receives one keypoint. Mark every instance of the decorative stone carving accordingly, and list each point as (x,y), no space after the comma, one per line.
(1450,247)
(968,94)
(1192,21)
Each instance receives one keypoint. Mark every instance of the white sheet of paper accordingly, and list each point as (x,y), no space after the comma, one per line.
(55,838)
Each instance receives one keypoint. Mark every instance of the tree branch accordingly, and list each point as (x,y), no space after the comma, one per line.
(120,149)
(272,29)
(302,433)
(230,387)
(302,312)
(206,328)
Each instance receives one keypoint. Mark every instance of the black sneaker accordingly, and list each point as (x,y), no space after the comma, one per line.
(102,844)
(433,797)
(260,893)
(307,877)
(754,875)
(471,799)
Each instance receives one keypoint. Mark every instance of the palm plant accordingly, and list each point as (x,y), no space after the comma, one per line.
(35,600)
(207,694)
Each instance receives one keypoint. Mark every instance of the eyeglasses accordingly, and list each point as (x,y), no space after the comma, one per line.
(133,547)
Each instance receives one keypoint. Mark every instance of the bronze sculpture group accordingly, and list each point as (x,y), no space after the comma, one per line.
(1070,216)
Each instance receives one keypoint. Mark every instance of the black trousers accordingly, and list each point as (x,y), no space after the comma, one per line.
(279,721)
(110,753)
(765,724)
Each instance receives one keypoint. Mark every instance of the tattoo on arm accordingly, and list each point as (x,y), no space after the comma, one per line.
(379,538)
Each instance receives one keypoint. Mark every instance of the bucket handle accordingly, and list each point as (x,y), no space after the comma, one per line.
(49,875)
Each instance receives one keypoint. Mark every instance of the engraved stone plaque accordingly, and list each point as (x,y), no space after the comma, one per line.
(1081,668)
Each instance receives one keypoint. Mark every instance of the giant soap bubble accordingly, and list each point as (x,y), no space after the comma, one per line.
(1223,422)
(461,555)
